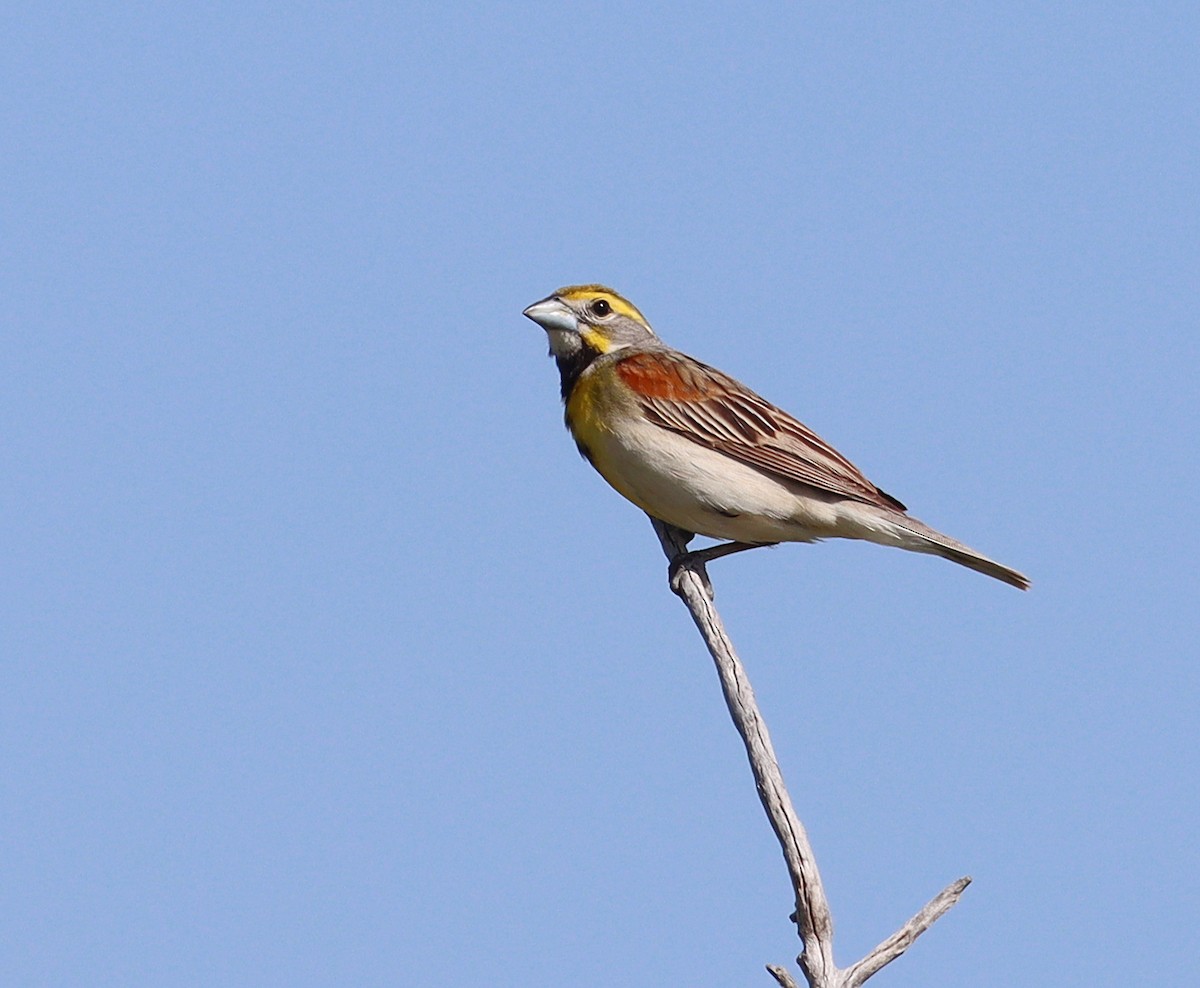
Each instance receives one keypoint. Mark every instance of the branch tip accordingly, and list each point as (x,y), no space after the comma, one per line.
(902,939)
(781,976)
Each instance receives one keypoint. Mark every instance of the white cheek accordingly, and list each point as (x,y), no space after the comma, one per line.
(564,343)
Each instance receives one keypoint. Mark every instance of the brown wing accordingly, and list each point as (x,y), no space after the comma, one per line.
(712,409)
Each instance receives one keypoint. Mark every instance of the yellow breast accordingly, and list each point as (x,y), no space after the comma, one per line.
(596,404)
(586,407)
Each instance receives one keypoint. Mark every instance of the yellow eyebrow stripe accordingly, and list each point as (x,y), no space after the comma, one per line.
(588,293)
(624,308)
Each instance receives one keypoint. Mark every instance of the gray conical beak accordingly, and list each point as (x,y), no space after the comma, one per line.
(553,314)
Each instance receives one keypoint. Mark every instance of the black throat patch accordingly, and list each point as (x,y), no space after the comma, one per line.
(570,368)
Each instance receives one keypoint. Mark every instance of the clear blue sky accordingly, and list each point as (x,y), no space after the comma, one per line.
(326,660)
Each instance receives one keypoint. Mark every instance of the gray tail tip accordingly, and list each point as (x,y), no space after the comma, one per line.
(988,567)
(1014,579)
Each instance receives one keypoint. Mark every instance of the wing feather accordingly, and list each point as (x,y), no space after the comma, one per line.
(712,409)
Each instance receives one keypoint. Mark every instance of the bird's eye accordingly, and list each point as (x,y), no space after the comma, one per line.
(600,307)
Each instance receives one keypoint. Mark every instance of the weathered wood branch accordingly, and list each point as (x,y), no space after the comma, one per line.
(814,922)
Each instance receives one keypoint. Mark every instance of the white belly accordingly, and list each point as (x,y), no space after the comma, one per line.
(706,492)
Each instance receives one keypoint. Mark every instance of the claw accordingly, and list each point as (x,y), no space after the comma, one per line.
(688,562)
(697,560)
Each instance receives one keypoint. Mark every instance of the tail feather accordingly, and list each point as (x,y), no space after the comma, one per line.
(981,564)
(932,541)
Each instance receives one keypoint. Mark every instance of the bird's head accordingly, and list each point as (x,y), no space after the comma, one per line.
(589,317)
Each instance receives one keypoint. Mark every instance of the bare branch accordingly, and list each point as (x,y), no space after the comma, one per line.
(813,919)
(781,975)
(900,941)
(814,923)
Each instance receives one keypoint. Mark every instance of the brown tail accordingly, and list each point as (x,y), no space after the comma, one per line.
(942,545)
(981,564)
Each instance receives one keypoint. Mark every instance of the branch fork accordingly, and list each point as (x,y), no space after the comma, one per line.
(814,922)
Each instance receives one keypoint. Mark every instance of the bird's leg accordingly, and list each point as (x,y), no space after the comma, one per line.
(725,549)
(698,559)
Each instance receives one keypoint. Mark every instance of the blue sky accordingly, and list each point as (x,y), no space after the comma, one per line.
(328,662)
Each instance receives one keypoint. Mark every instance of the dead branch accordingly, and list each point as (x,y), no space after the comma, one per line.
(814,923)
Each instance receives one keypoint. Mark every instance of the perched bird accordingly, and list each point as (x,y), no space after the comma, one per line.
(692,447)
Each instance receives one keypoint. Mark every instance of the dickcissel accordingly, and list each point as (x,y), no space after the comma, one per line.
(693,447)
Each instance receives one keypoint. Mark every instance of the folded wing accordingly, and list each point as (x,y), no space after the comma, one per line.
(712,409)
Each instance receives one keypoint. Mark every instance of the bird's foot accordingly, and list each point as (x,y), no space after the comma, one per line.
(686,562)
(698,560)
